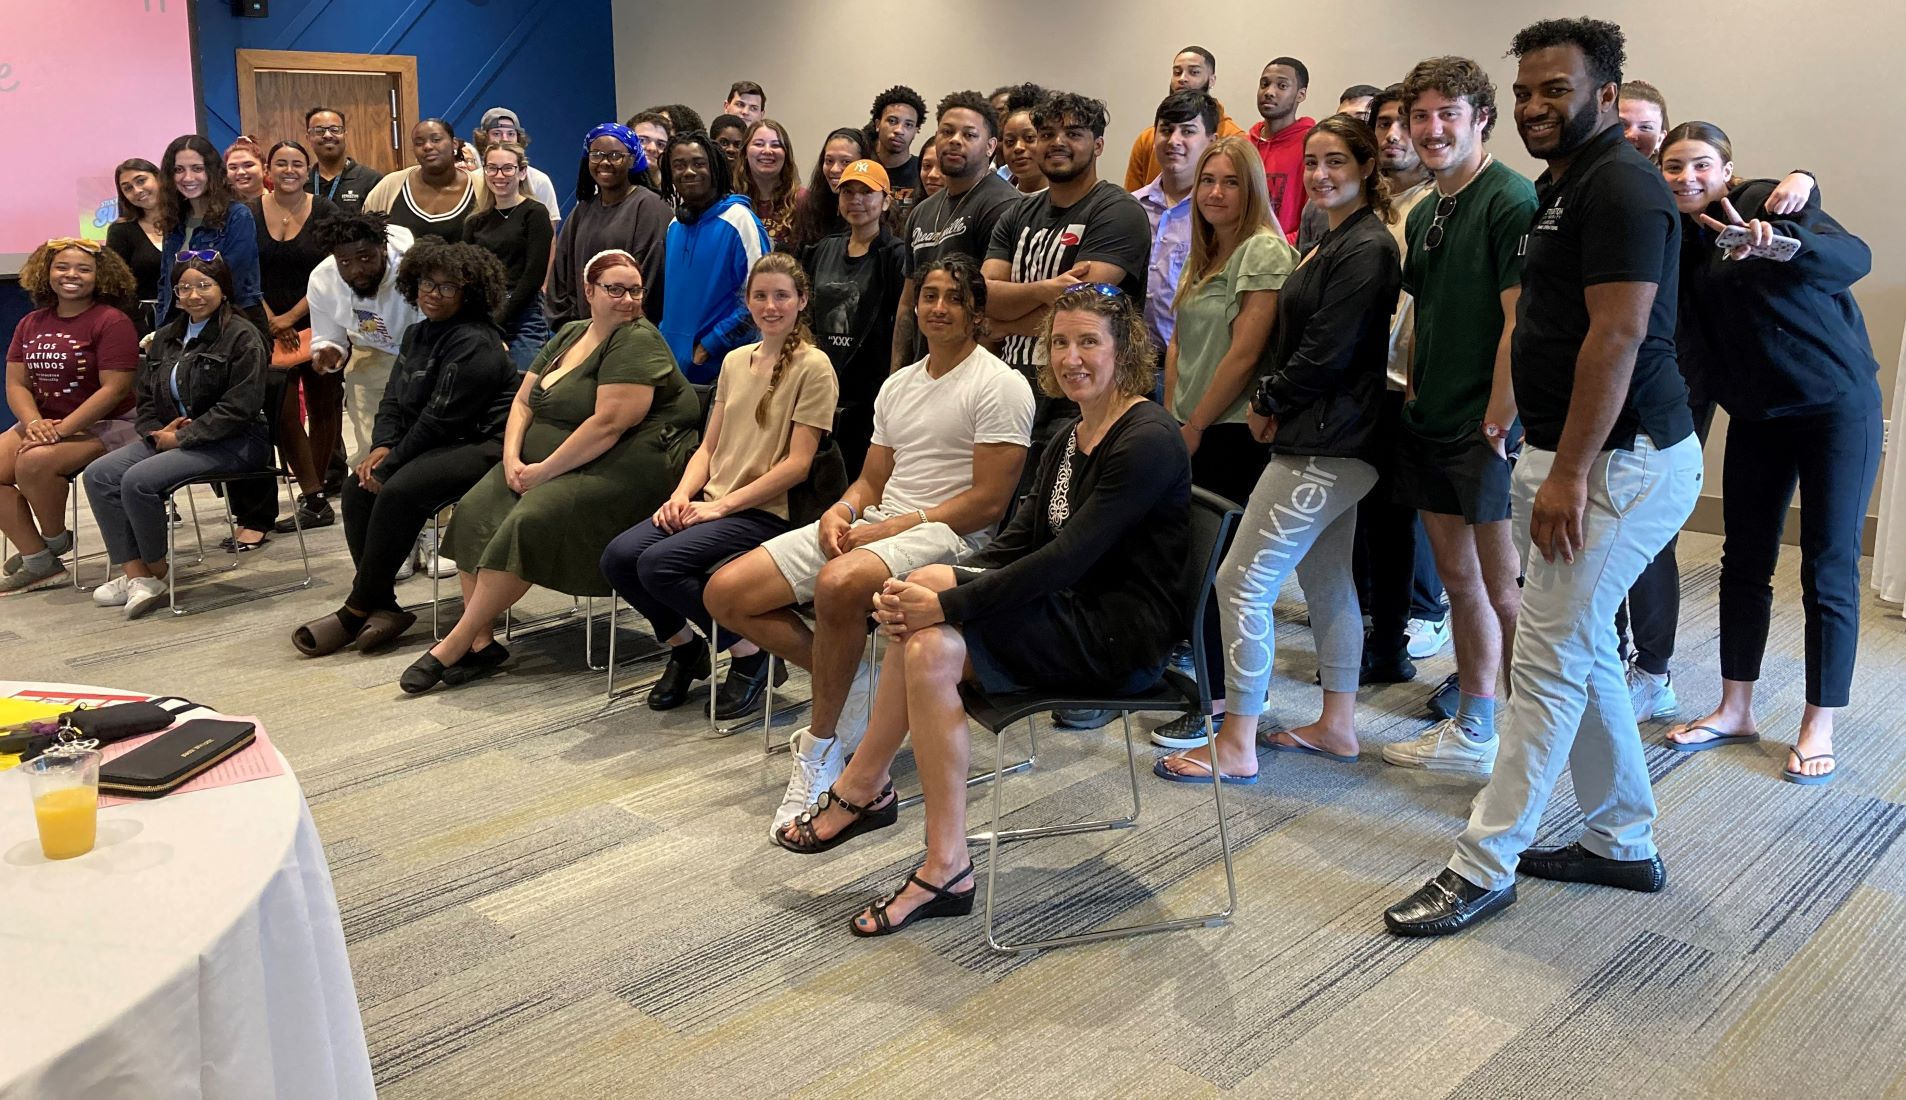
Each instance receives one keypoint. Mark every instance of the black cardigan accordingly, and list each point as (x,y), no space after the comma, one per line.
(1121,559)
(1767,339)
(452,383)
(1324,373)
(221,379)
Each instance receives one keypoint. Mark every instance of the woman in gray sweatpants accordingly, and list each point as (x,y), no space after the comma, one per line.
(1317,406)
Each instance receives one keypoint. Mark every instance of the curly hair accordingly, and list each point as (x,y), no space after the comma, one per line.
(475,269)
(1062,109)
(969,286)
(970,101)
(1021,97)
(1456,78)
(349,227)
(1603,46)
(720,174)
(1132,344)
(899,93)
(780,263)
(1357,137)
(113,282)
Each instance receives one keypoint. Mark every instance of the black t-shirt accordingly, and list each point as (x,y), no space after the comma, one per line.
(142,256)
(946,223)
(284,267)
(853,310)
(1041,241)
(1610,219)
(904,179)
(521,237)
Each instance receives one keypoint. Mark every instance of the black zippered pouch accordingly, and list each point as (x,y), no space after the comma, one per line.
(172,759)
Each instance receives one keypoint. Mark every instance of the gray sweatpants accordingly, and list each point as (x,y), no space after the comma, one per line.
(1302,516)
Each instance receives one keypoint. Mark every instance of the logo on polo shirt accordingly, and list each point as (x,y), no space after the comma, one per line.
(1548,221)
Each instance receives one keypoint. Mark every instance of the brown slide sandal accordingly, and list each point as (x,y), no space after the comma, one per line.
(322,636)
(382,628)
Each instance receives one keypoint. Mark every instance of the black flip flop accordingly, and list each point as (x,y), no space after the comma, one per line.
(1803,778)
(1720,739)
(231,545)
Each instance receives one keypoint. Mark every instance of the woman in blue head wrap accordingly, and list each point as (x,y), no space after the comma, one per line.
(615,208)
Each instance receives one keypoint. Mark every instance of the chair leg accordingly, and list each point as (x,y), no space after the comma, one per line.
(192,503)
(304,555)
(172,547)
(996,836)
(436,582)
(609,687)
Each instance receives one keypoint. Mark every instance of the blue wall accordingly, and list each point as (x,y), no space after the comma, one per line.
(553,61)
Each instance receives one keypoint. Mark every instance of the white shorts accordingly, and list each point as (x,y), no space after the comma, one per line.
(797,554)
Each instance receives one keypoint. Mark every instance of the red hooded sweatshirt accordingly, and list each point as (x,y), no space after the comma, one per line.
(1283,154)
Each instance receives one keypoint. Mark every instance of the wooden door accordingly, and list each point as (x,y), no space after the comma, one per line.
(376,92)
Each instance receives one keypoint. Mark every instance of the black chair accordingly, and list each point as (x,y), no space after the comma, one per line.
(1212,519)
(275,471)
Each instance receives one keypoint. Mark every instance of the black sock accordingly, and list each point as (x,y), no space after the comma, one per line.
(749,666)
(353,622)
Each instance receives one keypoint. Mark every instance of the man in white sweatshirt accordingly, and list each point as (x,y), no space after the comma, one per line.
(358,319)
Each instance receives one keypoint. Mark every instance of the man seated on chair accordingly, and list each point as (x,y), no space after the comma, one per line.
(950,437)
(1085,590)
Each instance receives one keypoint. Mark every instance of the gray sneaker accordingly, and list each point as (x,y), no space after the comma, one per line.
(31,574)
(1653,695)
(61,546)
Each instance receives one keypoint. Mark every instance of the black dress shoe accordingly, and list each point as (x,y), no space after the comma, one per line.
(1577,864)
(313,512)
(687,663)
(1446,904)
(740,691)
(1386,668)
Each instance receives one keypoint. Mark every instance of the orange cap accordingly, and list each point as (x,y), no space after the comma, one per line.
(869,172)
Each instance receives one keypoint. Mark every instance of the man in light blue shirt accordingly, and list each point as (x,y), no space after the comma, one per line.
(1185,124)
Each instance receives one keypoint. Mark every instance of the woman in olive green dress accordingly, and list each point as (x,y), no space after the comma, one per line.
(597,438)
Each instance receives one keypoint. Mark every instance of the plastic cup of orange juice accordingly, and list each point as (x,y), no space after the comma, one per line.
(65,790)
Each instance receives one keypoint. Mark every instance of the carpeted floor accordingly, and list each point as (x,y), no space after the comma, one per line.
(547,896)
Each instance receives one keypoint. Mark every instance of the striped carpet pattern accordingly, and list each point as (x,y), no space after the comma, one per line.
(551,893)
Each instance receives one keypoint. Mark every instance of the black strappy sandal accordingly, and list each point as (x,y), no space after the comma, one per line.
(945,903)
(866,820)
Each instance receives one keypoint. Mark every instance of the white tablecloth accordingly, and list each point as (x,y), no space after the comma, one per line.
(195,952)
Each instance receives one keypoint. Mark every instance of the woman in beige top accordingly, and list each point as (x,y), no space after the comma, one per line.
(773,404)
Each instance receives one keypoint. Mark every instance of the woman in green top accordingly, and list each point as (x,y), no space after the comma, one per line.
(1226,301)
(598,434)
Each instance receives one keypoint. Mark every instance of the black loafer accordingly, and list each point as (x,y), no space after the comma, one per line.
(424,673)
(1575,863)
(476,664)
(740,691)
(687,663)
(310,515)
(1446,904)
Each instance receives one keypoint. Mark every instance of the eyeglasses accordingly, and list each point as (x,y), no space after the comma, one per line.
(193,289)
(499,169)
(621,292)
(1103,290)
(203,255)
(325,131)
(61,244)
(447,290)
(607,156)
(1445,206)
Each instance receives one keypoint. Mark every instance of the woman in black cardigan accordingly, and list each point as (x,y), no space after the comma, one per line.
(1086,588)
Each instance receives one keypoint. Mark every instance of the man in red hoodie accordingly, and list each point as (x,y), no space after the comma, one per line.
(1280,138)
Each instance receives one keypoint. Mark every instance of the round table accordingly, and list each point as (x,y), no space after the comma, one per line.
(196,951)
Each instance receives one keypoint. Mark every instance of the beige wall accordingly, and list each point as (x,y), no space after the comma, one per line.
(1799,87)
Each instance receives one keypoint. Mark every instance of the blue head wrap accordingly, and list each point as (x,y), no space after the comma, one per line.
(639,166)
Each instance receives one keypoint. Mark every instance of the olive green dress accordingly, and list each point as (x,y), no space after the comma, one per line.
(554,534)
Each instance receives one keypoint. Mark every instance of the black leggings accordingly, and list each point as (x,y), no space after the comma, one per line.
(1652,611)
(381,528)
(1833,458)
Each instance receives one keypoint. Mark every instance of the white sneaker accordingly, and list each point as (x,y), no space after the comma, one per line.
(406,570)
(1443,748)
(855,711)
(434,563)
(142,595)
(1653,695)
(1427,637)
(817,763)
(113,592)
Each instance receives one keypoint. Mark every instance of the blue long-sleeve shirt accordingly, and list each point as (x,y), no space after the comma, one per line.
(706,264)
(236,242)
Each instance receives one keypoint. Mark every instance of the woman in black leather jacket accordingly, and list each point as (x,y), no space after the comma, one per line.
(201,394)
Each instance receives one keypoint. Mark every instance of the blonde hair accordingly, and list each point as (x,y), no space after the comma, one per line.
(780,263)
(1131,341)
(1208,256)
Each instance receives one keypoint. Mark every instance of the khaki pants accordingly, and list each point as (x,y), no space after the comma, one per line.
(365,374)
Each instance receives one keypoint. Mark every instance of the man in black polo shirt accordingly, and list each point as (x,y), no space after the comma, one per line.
(335,175)
(1610,472)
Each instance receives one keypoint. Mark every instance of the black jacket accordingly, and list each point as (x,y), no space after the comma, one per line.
(1323,375)
(221,379)
(1767,339)
(452,383)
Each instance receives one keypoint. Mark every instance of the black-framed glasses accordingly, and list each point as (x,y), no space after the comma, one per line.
(607,156)
(325,131)
(621,292)
(431,286)
(203,255)
(499,169)
(1103,290)
(1445,206)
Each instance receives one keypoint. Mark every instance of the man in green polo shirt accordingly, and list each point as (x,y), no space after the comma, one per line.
(1463,268)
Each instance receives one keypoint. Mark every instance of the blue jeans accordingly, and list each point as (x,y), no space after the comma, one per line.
(128,487)
(528,334)
(1570,703)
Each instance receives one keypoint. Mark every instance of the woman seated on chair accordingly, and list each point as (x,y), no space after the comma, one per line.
(439,429)
(734,495)
(70,369)
(200,414)
(598,434)
(1086,589)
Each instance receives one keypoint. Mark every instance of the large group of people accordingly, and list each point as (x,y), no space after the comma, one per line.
(1411,369)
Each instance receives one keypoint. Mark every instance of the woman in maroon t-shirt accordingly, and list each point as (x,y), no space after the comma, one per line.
(70,369)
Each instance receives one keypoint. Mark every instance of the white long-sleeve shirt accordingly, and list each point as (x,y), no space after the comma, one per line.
(342,320)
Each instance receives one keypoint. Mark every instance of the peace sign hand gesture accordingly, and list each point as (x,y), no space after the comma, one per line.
(1759,233)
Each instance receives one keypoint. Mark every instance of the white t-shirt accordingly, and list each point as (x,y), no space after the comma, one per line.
(932,425)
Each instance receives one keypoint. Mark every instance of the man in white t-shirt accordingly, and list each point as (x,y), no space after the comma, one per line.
(950,436)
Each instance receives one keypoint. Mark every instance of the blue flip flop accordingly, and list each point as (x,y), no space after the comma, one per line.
(1806,780)
(1720,739)
(1161,771)
(1302,747)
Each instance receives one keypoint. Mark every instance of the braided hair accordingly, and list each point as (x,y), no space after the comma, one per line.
(780,263)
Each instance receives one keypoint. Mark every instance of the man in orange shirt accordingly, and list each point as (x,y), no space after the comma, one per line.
(1192,70)
(1280,138)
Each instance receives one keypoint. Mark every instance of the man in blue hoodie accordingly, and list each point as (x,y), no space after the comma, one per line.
(712,245)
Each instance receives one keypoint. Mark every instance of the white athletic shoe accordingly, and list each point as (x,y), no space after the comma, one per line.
(817,763)
(142,595)
(1443,748)
(854,712)
(406,570)
(1653,695)
(434,563)
(113,592)
(1427,637)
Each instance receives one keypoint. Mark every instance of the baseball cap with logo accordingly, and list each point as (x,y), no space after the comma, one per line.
(869,173)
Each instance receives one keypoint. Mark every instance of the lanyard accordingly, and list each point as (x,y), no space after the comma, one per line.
(336,181)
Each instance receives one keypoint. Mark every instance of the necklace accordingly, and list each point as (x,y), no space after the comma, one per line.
(952,208)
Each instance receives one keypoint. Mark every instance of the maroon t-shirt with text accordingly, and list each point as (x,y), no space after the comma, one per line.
(64,355)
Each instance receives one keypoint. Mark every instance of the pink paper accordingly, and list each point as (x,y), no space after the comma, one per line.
(257,760)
